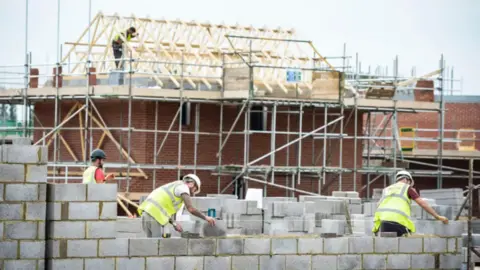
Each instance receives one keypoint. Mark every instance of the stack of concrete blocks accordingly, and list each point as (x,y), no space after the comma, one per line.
(330,212)
(23,189)
(286,216)
(451,197)
(242,217)
(79,218)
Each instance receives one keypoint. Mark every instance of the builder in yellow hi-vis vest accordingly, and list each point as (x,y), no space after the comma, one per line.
(117,44)
(164,202)
(393,212)
(95,174)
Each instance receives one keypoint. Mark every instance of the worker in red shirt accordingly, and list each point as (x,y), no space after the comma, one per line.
(95,174)
(393,212)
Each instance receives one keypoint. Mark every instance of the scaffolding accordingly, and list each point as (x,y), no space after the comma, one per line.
(190,63)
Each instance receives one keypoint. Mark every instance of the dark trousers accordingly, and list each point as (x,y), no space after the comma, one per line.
(390,226)
(117,53)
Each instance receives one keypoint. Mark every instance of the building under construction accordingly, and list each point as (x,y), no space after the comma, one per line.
(239,106)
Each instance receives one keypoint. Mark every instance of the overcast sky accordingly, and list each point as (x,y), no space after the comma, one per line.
(417,31)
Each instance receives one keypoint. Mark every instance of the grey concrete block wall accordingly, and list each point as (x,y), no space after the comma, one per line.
(23,212)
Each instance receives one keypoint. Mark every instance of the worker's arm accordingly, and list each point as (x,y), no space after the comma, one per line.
(189,206)
(430,210)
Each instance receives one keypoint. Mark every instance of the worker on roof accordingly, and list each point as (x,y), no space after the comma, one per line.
(164,202)
(393,212)
(95,174)
(117,44)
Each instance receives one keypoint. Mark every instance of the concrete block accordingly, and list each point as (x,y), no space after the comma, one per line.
(130,263)
(308,223)
(113,247)
(252,208)
(173,247)
(12,211)
(103,264)
(1,230)
(143,247)
(252,224)
(2,191)
(452,229)
(277,262)
(360,244)
(321,216)
(83,211)
(101,229)
(425,226)
(350,262)
(294,224)
(339,194)
(335,245)
(201,247)
(256,246)
(108,210)
(351,194)
(298,262)
(36,211)
(66,229)
(245,262)
(283,209)
(423,261)
(211,262)
(333,226)
(42,230)
(205,203)
(42,192)
(21,192)
(187,263)
(410,245)
(398,261)
(54,210)
(323,262)
(67,192)
(372,261)
(310,207)
(32,249)
(234,206)
(386,245)
(82,248)
(105,192)
(310,245)
(56,249)
(36,173)
(452,245)
(65,264)
(12,173)
(167,263)
(450,261)
(229,246)
(8,249)
(434,244)
(30,154)
(355,208)
(19,264)
(21,230)
(21,141)
(284,246)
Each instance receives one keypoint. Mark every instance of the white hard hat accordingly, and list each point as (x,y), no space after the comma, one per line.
(194,178)
(404,174)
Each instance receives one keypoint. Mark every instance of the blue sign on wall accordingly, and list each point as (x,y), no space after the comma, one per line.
(294,75)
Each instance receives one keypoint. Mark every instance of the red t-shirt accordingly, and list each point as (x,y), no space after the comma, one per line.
(413,194)
(99,175)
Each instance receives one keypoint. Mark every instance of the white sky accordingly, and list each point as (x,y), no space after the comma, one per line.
(417,31)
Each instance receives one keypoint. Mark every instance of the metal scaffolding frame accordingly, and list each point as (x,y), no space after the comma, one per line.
(293,173)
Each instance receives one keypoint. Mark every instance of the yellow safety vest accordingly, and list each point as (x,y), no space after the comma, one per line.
(89,175)
(117,37)
(395,207)
(162,203)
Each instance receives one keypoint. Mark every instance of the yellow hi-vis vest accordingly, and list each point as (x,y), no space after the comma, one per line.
(89,175)
(395,207)
(162,203)
(128,38)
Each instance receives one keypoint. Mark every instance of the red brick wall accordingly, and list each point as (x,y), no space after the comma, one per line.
(115,114)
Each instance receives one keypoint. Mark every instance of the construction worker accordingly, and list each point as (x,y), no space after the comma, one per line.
(117,44)
(393,212)
(163,203)
(95,174)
